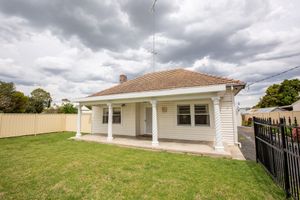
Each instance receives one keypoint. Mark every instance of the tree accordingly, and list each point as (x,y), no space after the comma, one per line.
(12,101)
(42,96)
(39,100)
(6,91)
(281,94)
(52,110)
(68,108)
(20,102)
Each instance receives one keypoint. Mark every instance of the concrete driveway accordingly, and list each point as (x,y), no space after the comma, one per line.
(246,138)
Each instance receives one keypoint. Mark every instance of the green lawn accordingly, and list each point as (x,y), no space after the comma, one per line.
(52,167)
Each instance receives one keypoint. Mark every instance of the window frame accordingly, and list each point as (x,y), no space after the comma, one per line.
(105,115)
(207,114)
(116,116)
(178,114)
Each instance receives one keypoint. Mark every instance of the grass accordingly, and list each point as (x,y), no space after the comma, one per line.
(52,167)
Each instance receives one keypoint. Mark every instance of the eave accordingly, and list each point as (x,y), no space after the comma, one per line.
(153,94)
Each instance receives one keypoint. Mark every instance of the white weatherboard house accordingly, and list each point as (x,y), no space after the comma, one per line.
(175,104)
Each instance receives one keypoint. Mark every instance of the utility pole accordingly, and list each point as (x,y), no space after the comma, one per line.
(153,37)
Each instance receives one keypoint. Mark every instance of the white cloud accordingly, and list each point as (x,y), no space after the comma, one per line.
(83,49)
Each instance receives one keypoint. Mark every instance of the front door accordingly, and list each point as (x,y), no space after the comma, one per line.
(148,121)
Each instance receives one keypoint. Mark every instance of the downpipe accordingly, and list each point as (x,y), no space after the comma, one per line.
(236,142)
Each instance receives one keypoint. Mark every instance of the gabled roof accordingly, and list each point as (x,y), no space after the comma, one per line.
(170,79)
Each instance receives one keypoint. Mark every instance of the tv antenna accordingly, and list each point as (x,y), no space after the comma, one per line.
(153,36)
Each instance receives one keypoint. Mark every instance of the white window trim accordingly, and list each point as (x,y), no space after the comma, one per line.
(103,108)
(145,122)
(117,124)
(208,113)
(192,107)
(184,104)
(120,115)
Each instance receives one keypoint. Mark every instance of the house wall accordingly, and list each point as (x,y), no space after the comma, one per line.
(133,120)
(168,128)
(228,119)
(137,118)
(296,106)
(128,120)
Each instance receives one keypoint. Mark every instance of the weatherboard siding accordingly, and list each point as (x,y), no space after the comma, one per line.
(227,118)
(168,127)
(128,119)
(137,118)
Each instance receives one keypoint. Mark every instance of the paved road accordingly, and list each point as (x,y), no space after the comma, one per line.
(246,138)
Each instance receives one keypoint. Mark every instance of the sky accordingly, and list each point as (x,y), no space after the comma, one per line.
(73,48)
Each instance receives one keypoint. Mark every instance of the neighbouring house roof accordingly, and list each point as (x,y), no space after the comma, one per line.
(245,110)
(85,109)
(293,107)
(295,103)
(170,79)
(265,110)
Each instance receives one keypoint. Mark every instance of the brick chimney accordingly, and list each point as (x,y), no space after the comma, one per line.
(123,78)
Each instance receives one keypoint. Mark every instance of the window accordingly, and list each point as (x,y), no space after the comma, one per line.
(183,115)
(201,115)
(116,116)
(105,116)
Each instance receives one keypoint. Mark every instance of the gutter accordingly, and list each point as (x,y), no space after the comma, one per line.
(240,86)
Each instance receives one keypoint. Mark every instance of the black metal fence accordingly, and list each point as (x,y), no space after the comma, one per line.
(277,149)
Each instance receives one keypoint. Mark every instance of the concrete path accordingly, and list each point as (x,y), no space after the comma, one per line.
(246,138)
(170,146)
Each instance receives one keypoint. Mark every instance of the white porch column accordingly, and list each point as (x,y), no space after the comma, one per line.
(78,133)
(219,140)
(154,123)
(110,120)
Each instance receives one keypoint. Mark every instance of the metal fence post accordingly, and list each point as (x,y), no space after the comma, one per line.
(272,149)
(255,134)
(285,161)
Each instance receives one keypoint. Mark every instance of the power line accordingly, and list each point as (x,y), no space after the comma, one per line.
(269,77)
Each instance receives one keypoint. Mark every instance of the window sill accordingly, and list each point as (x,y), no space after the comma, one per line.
(184,125)
(203,125)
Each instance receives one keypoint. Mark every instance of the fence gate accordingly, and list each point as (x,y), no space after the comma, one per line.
(277,149)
